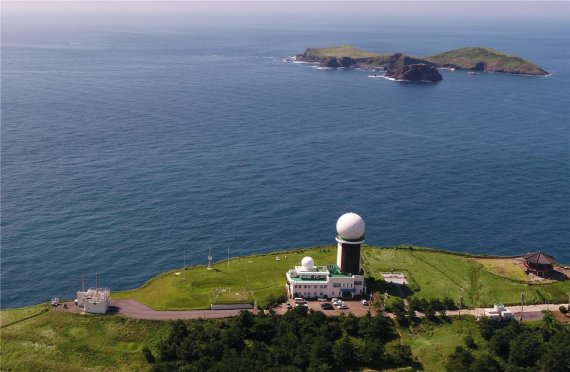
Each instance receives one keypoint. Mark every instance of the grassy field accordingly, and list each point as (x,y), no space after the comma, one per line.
(339,51)
(468,58)
(437,274)
(431,344)
(506,267)
(430,273)
(261,275)
(57,341)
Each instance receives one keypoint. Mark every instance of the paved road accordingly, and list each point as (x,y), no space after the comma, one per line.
(134,309)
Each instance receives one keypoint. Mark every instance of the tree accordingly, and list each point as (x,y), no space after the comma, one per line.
(402,355)
(448,303)
(470,342)
(148,354)
(460,360)
(487,327)
(344,353)
(556,355)
(526,350)
(486,363)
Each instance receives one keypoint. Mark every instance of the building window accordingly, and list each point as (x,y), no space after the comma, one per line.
(315,286)
(336,285)
(357,282)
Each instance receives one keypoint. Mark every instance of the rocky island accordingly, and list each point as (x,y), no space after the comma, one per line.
(416,72)
(469,59)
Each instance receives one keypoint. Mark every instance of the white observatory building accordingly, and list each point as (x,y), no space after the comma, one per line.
(343,279)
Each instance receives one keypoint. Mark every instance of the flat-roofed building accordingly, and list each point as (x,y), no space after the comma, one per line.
(343,279)
(311,281)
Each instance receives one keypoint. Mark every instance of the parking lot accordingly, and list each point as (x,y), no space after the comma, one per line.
(354,306)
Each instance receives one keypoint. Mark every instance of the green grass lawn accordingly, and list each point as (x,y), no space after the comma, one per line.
(58,341)
(431,344)
(261,275)
(438,274)
(430,274)
(11,316)
(340,51)
(506,267)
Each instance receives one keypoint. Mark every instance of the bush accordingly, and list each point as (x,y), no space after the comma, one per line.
(470,342)
(563,309)
(401,355)
(148,354)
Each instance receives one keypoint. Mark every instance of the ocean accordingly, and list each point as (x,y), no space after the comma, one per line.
(125,150)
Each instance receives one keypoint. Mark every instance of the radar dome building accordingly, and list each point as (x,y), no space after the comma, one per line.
(343,279)
(350,236)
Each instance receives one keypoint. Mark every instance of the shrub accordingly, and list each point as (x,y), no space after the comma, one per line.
(563,309)
(147,354)
(470,342)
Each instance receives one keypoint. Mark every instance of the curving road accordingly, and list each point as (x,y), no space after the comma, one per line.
(136,310)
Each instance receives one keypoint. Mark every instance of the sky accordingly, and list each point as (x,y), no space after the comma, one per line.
(44,15)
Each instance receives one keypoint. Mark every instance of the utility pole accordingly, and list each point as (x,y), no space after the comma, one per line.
(228,255)
(522,305)
(184,268)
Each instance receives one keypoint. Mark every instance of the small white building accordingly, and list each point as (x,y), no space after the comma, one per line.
(310,281)
(94,300)
(499,312)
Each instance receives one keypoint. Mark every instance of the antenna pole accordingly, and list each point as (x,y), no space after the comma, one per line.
(184,268)
(228,255)
(82,283)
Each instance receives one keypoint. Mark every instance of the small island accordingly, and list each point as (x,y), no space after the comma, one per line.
(468,59)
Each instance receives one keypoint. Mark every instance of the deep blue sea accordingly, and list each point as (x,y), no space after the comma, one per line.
(121,150)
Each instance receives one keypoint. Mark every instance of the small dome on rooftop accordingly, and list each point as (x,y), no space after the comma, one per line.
(350,226)
(307,262)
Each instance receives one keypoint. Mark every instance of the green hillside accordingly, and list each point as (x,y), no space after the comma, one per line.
(472,58)
(485,59)
(339,51)
(431,274)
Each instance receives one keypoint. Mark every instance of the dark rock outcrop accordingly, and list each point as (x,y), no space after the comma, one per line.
(415,72)
(338,62)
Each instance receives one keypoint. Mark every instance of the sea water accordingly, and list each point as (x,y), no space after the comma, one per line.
(124,151)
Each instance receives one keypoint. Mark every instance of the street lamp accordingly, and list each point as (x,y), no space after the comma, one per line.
(522,305)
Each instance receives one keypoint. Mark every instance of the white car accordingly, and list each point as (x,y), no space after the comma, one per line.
(335,299)
(342,307)
(321,299)
(364,302)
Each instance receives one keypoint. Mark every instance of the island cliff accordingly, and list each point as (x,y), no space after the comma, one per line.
(416,72)
(470,59)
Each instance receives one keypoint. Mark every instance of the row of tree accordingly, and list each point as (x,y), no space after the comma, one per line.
(300,340)
(515,347)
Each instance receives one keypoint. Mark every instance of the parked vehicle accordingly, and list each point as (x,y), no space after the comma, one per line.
(327,306)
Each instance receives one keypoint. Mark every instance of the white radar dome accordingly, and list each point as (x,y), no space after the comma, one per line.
(350,226)
(307,263)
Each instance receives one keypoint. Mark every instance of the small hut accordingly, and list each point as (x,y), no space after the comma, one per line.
(538,263)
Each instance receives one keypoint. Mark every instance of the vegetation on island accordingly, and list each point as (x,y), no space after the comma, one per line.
(486,59)
(41,338)
(304,340)
(470,58)
(481,281)
(53,340)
